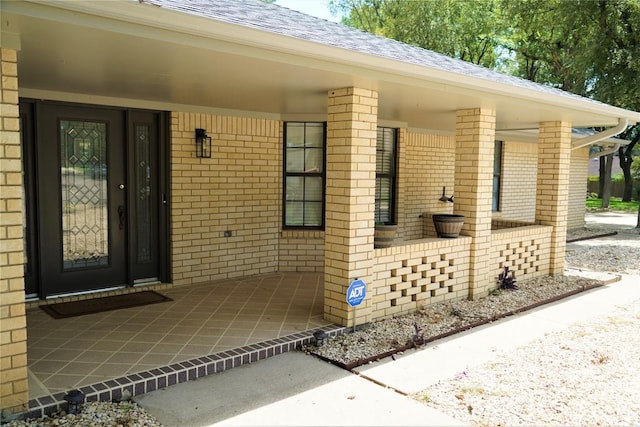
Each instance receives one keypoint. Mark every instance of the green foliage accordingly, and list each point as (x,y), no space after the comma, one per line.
(460,29)
(635,168)
(615,204)
(619,177)
(546,39)
(616,54)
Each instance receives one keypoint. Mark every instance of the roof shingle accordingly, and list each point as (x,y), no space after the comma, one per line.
(280,20)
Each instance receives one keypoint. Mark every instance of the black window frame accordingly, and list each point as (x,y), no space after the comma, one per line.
(304,174)
(496,192)
(392,175)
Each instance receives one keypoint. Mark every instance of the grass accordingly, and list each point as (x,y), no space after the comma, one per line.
(615,204)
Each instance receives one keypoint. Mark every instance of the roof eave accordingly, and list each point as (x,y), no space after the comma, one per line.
(368,68)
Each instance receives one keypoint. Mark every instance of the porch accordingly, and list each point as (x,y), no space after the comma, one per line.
(207,328)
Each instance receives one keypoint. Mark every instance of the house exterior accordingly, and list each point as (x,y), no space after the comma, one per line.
(317,131)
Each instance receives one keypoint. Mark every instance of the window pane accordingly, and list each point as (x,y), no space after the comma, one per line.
(295,135)
(294,215)
(383,211)
(295,159)
(314,135)
(385,149)
(384,160)
(383,188)
(313,163)
(388,140)
(294,188)
(313,189)
(313,214)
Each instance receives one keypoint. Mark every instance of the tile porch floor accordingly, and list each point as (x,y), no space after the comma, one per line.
(203,319)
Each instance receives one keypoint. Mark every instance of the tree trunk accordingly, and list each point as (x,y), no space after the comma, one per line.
(626,159)
(606,192)
(638,223)
(601,176)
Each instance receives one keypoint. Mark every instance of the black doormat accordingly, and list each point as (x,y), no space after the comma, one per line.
(97,305)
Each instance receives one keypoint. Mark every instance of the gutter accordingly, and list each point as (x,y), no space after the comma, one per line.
(605,152)
(592,139)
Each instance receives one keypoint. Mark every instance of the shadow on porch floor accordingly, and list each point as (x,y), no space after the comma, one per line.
(224,320)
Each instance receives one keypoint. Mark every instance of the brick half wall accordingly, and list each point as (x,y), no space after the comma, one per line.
(409,277)
(525,250)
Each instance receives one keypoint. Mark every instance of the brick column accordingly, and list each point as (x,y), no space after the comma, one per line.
(552,190)
(350,193)
(475,136)
(14,393)
(578,175)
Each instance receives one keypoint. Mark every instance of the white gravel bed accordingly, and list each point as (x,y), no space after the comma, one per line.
(619,253)
(94,414)
(586,375)
(397,332)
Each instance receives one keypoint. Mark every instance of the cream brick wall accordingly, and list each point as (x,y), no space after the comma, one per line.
(426,164)
(475,136)
(409,277)
(301,251)
(518,189)
(14,388)
(552,196)
(350,199)
(237,189)
(578,188)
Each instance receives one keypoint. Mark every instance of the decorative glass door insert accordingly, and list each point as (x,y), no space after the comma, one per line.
(83,181)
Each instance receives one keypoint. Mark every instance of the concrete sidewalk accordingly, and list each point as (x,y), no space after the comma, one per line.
(297,389)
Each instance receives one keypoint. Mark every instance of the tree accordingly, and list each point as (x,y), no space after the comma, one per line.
(460,29)
(617,74)
(547,41)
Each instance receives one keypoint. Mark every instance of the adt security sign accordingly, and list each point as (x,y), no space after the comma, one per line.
(356,292)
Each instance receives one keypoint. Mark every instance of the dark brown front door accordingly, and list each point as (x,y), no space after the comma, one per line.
(97,198)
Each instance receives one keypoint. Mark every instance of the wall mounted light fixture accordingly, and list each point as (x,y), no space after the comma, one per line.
(203,144)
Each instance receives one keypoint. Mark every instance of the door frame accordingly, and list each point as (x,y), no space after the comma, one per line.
(33,234)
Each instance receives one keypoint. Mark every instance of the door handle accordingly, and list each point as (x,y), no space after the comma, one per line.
(121,216)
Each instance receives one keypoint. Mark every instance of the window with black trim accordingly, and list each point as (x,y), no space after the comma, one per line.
(386,159)
(304,174)
(497,172)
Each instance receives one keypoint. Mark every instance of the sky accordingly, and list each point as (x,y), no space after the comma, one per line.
(319,8)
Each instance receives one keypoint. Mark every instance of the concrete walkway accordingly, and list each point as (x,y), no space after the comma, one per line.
(624,219)
(297,389)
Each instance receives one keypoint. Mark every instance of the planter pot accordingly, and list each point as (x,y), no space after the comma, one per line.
(384,235)
(448,225)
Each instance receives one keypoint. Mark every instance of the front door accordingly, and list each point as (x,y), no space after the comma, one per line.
(97,200)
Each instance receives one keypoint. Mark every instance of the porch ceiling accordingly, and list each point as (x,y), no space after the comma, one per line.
(68,49)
